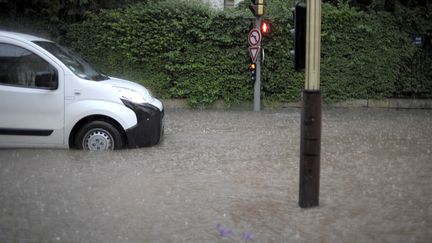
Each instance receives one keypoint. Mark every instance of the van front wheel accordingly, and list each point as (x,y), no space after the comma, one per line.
(98,135)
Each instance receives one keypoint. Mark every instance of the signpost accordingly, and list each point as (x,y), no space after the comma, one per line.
(262,28)
(254,38)
(257,85)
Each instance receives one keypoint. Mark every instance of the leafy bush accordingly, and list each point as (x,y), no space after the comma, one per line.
(361,53)
(415,79)
(185,50)
(180,50)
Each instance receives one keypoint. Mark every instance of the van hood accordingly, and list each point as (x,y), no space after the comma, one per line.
(117,82)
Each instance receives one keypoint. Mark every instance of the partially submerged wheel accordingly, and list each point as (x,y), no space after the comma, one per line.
(98,135)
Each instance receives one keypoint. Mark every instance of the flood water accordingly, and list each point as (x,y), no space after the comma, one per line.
(230,176)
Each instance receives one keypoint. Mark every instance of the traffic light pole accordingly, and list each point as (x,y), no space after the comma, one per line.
(310,140)
(257,84)
(257,8)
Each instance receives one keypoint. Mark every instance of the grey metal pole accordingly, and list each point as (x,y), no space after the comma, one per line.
(257,85)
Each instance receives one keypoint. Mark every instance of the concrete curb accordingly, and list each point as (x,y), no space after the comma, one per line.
(388,103)
(385,103)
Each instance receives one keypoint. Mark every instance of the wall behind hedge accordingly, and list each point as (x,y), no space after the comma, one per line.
(185,50)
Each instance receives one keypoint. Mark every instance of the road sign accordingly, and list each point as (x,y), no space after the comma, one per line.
(254,37)
(253,51)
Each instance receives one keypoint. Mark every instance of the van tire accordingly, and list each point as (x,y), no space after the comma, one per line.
(98,135)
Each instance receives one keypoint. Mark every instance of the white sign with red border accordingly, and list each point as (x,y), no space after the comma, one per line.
(253,51)
(254,37)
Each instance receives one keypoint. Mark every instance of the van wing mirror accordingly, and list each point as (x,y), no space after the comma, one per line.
(46,80)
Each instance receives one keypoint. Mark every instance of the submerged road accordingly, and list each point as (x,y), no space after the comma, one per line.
(229,176)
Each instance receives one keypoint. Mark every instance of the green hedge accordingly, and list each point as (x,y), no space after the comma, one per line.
(178,50)
(361,53)
(185,50)
(415,78)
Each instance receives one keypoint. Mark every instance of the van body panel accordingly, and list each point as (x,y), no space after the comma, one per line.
(79,110)
(116,82)
(26,110)
(31,141)
(35,116)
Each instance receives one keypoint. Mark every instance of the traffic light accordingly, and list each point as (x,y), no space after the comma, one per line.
(257,7)
(252,68)
(266,27)
(299,35)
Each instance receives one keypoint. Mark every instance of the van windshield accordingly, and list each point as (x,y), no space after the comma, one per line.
(73,61)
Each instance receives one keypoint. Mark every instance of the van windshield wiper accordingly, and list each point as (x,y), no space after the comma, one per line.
(100,77)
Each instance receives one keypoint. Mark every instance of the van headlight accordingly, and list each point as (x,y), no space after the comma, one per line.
(130,95)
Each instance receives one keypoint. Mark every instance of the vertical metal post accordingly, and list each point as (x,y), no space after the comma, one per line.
(310,141)
(257,85)
(313,45)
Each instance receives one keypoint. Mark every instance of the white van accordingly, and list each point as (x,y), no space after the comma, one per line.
(50,97)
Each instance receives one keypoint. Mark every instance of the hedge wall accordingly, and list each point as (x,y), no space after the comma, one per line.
(185,50)
(178,50)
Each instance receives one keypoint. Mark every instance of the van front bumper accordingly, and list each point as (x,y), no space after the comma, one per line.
(149,129)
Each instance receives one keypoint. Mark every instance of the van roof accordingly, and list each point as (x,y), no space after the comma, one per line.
(21,36)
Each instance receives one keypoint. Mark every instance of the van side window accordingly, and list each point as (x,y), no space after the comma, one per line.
(21,67)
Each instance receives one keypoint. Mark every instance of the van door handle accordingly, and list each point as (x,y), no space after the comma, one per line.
(77,92)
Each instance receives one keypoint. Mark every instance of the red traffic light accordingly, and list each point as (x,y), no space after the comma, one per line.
(266,27)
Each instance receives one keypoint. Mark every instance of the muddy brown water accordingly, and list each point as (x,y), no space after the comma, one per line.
(229,176)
